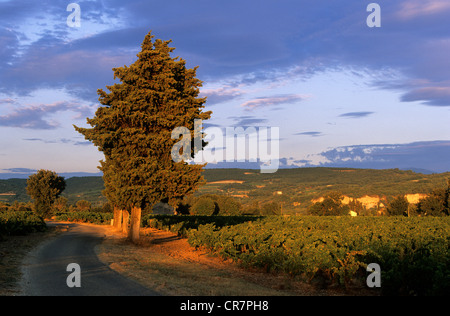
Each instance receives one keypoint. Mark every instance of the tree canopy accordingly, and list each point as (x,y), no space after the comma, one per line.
(331,205)
(133,128)
(44,187)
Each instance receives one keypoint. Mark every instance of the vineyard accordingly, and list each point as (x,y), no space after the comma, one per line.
(20,223)
(413,253)
(100,218)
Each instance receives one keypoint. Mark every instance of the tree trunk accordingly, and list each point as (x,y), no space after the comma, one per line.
(125,218)
(135,224)
(117,218)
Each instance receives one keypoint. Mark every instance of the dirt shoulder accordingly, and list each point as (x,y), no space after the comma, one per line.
(166,263)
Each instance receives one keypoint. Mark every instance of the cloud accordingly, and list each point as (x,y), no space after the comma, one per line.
(417,8)
(431,155)
(9,42)
(7,101)
(59,141)
(20,170)
(257,44)
(434,96)
(247,120)
(250,121)
(312,134)
(356,114)
(37,116)
(79,72)
(271,101)
(221,95)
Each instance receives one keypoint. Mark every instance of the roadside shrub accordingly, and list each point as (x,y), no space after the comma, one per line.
(100,218)
(20,223)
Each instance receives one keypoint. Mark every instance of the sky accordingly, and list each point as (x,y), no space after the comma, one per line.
(341,92)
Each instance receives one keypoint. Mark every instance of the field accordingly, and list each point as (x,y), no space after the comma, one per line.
(413,252)
(293,189)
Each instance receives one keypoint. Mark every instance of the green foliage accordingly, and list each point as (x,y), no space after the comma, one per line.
(227,205)
(398,206)
(20,207)
(101,218)
(299,186)
(436,204)
(331,206)
(302,185)
(3,207)
(271,208)
(134,128)
(60,205)
(204,206)
(20,223)
(181,225)
(413,252)
(210,204)
(83,205)
(45,187)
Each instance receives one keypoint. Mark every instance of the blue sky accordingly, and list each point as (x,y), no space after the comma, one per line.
(342,93)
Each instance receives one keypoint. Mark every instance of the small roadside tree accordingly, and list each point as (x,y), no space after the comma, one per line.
(134,128)
(398,206)
(44,187)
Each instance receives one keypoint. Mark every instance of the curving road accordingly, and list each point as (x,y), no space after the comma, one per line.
(45,269)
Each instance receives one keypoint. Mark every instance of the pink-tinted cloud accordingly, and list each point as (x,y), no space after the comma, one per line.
(437,96)
(272,101)
(220,95)
(416,8)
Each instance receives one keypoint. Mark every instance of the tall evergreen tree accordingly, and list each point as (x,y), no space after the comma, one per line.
(134,128)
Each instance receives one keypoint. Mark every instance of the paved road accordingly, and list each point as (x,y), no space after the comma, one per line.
(45,269)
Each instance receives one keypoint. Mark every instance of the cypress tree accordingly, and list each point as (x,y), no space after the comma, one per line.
(133,129)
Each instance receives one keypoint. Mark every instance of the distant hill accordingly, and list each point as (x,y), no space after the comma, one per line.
(294,188)
(25,175)
(77,188)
